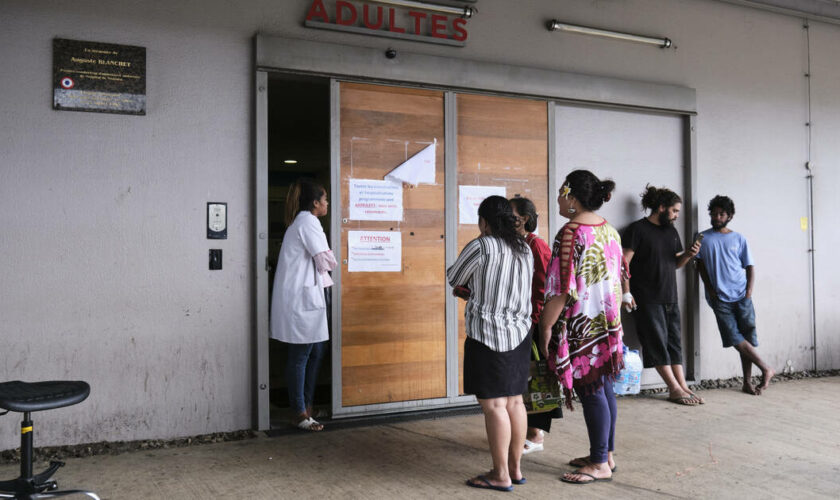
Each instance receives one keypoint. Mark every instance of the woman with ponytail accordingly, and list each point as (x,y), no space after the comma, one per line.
(493,273)
(298,305)
(580,327)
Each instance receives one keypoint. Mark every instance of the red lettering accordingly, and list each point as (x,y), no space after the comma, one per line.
(340,5)
(438,26)
(418,16)
(391,24)
(317,9)
(379,18)
(458,26)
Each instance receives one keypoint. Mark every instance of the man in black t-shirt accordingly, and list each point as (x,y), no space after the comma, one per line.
(653,249)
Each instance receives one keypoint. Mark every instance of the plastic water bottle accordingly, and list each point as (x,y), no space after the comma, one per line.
(629,380)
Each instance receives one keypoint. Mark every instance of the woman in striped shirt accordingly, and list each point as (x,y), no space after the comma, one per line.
(496,269)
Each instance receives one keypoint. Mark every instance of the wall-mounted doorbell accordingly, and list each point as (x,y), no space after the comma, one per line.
(216,221)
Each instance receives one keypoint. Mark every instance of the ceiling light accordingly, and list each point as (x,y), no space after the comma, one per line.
(465,12)
(555,25)
(289,162)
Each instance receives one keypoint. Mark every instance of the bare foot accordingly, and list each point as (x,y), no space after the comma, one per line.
(489,479)
(749,389)
(535,435)
(584,461)
(765,380)
(682,397)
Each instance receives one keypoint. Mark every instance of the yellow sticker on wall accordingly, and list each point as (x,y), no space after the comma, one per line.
(803,223)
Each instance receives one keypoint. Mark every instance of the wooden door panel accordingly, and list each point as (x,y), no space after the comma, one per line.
(393,325)
(501,142)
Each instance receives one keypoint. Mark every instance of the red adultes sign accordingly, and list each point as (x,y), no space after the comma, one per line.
(393,22)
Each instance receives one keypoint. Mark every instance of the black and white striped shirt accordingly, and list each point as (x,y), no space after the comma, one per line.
(499,308)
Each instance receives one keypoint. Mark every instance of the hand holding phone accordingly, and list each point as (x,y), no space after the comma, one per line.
(695,248)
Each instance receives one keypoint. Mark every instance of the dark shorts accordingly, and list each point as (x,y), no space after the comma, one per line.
(489,374)
(736,321)
(658,327)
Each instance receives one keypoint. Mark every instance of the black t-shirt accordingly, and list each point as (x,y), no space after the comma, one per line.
(653,270)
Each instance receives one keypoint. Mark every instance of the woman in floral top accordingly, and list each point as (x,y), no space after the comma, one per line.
(580,329)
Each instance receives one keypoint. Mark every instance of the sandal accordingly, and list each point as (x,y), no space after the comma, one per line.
(310,424)
(584,481)
(531,447)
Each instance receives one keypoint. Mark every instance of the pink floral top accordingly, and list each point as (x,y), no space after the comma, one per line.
(586,265)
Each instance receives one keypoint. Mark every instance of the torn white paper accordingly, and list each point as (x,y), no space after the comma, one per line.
(376,200)
(419,169)
(374,251)
(470,197)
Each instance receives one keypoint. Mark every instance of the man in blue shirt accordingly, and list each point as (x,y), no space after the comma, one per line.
(726,267)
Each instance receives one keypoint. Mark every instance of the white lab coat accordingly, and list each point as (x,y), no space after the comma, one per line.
(298,308)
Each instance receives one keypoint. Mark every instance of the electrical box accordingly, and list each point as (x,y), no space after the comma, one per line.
(216,221)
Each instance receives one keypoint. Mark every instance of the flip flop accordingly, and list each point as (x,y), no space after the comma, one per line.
(487,485)
(519,481)
(685,401)
(578,462)
(594,479)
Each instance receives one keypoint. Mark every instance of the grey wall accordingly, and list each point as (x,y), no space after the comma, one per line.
(105,262)
(826,160)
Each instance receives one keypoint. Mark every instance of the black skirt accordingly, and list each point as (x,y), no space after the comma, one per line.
(489,374)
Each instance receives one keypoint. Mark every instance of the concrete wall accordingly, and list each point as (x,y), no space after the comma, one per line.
(826,159)
(105,258)
(103,219)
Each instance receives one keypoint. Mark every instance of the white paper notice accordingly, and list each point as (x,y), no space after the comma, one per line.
(419,169)
(375,200)
(470,197)
(374,251)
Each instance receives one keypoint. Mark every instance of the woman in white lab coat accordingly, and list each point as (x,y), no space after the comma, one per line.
(298,306)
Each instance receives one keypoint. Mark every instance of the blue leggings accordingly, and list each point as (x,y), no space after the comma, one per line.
(599,412)
(302,374)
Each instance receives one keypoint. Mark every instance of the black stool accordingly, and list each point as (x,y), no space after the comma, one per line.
(38,396)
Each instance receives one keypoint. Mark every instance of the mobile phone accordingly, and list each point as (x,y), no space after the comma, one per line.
(699,237)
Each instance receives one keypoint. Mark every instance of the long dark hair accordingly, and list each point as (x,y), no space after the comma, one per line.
(498,214)
(654,197)
(303,194)
(523,207)
(588,189)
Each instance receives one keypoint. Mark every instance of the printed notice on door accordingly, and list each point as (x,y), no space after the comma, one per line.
(470,197)
(376,200)
(374,251)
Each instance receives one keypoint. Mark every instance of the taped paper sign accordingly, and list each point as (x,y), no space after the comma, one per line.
(470,197)
(419,169)
(374,251)
(375,200)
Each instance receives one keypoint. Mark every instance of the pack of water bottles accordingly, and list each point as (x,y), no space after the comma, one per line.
(629,380)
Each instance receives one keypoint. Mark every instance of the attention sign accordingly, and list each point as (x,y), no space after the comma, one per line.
(100,77)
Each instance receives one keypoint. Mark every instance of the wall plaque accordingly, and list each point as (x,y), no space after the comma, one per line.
(100,77)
